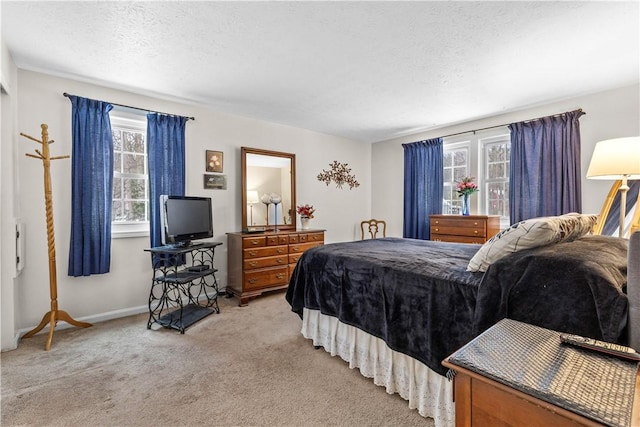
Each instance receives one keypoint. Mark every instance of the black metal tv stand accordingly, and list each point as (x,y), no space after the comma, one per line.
(184,288)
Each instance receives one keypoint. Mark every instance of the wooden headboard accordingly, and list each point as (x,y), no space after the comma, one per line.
(633,290)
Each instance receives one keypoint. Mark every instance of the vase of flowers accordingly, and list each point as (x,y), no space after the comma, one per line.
(306,213)
(465,188)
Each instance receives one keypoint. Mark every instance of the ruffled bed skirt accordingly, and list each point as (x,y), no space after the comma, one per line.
(428,392)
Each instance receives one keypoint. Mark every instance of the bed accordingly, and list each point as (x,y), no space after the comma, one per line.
(395,308)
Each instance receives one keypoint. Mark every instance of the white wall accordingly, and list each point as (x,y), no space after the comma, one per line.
(125,289)
(609,114)
(8,108)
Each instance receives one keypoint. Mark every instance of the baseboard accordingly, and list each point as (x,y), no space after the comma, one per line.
(95,318)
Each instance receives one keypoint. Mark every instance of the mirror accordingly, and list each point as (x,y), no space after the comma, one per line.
(609,219)
(265,176)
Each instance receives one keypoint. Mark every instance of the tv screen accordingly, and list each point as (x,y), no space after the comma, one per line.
(185,218)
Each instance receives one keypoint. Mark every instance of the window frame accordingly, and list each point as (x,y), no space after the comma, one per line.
(456,146)
(126,120)
(483,143)
(478,162)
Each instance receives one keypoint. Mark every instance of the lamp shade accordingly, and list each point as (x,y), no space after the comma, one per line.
(616,158)
(252,196)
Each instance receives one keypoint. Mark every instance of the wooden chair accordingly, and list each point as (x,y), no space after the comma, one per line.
(373,226)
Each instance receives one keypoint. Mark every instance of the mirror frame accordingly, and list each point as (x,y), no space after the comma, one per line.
(243,185)
(633,205)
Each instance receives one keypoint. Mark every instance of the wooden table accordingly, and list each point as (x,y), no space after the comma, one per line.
(482,401)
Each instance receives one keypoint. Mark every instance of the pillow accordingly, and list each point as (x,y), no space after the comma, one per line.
(577,225)
(531,233)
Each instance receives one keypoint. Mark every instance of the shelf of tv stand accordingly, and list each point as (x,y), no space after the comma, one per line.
(185,275)
(180,296)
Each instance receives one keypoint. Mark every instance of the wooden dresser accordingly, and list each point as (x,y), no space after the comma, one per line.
(262,262)
(464,229)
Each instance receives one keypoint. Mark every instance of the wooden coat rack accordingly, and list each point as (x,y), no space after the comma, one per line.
(54,315)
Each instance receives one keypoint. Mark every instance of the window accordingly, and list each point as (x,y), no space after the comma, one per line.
(496,176)
(456,166)
(130,209)
(484,155)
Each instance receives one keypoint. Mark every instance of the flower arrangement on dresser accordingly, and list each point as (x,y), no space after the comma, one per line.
(305,211)
(466,187)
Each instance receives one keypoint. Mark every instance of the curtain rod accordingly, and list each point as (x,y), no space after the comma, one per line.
(506,124)
(136,108)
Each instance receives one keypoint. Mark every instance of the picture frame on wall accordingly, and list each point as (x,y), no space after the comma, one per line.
(215,182)
(214,160)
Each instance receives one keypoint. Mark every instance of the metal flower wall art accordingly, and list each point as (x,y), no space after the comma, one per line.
(340,174)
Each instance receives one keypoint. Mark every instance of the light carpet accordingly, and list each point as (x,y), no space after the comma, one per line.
(247,366)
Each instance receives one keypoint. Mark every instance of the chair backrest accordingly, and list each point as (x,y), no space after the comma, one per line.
(370,228)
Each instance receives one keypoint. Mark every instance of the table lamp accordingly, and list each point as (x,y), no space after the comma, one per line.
(615,159)
(275,199)
(252,197)
(266,199)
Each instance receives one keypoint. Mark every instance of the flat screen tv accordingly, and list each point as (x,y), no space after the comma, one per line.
(184,219)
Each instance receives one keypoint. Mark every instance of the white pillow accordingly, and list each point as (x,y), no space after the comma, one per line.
(531,233)
(582,224)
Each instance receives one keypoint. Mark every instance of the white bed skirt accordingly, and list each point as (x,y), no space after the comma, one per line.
(428,392)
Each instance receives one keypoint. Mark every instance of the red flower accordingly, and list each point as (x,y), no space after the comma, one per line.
(466,186)
(305,211)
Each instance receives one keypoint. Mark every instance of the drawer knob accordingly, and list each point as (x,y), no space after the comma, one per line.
(281,250)
(475,223)
(253,253)
(280,276)
(437,229)
(252,281)
(475,231)
(254,242)
(280,261)
(253,264)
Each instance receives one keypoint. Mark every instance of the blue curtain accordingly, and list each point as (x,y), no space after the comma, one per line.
(423,186)
(166,147)
(545,177)
(91,187)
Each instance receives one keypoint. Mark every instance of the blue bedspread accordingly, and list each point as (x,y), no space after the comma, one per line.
(417,296)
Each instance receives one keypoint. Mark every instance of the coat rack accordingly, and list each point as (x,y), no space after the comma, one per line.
(54,315)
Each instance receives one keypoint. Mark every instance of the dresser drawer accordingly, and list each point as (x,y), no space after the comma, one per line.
(271,261)
(277,240)
(266,251)
(456,239)
(301,247)
(293,258)
(459,222)
(266,277)
(458,231)
(310,237)
(254,242)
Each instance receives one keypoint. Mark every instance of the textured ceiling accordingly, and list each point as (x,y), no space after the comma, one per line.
(368,71)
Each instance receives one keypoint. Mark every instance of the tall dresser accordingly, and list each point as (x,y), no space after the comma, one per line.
(464,229)
(262,262)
